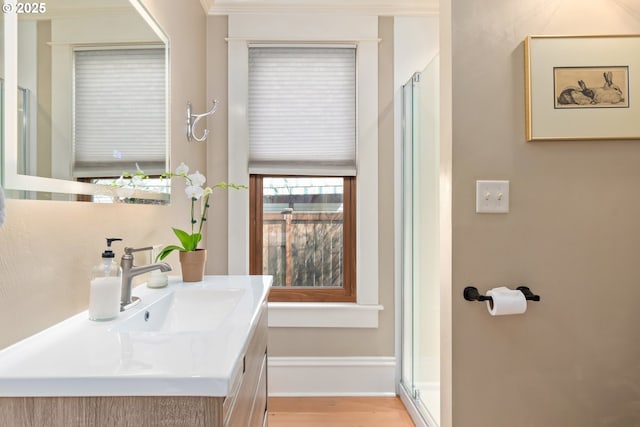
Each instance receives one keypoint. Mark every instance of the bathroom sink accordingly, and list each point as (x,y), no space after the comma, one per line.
(182,340)
(184,310)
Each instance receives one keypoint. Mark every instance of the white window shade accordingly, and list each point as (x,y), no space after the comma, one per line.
(302,110)
(119,111)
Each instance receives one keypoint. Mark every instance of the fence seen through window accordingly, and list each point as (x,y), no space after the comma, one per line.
(303,243)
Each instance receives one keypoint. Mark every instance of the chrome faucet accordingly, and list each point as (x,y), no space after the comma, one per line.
(129,271)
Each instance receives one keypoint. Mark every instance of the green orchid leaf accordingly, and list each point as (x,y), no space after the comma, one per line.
(166,251)
(184,237)
(196,237)
(189,241)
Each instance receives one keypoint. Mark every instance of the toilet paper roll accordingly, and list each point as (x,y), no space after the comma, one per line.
(506,301)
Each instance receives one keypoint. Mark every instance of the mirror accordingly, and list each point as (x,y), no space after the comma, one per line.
(90,121)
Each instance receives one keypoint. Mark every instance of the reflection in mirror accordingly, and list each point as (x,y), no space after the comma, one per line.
(92,103)
(2,101)
(23,121)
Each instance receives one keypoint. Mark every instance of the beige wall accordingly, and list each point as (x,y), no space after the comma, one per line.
(47,249)
(217,169)
(573,235)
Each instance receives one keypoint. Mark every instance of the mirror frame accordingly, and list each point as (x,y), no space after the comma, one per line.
(9,177)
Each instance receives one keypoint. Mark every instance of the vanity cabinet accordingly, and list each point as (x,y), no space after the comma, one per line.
(244,406)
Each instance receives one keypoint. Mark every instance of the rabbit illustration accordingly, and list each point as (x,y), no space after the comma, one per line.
(609,93)
(573,95)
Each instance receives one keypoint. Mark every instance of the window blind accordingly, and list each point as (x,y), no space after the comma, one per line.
(119,111)
(302,110)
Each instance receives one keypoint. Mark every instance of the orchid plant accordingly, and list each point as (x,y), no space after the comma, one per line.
(196,192)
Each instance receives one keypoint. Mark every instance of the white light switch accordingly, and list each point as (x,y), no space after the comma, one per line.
(492,196)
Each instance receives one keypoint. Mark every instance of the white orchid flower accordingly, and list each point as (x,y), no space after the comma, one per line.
(207,191)
(197,179)
(137,180)
(182,170)
(194,192)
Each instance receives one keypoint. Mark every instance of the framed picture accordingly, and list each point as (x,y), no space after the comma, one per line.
(582,87)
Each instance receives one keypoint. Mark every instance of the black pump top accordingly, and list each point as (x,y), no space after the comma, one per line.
(108,253)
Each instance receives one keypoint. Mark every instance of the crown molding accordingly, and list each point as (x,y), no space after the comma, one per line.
(355,7)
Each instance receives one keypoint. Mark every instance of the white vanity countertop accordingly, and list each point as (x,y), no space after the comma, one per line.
(80,357)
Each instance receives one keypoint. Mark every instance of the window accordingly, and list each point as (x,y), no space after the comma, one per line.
(303,234)
(302,160)
(124,86)
(363,31)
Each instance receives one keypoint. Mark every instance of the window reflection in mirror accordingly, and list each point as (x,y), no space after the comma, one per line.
(94,76)
(23,121)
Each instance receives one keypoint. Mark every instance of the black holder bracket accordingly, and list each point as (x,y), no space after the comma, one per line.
(471,293)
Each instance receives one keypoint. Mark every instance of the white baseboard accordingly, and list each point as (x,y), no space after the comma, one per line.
(332,376)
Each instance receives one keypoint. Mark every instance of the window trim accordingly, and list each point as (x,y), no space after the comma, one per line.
(363,30)
(348,292)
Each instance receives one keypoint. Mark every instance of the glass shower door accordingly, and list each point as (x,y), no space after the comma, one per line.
(420,244)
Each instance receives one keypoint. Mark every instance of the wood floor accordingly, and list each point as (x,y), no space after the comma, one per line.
(338,412)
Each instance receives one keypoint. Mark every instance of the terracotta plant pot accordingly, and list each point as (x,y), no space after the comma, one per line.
(192,264)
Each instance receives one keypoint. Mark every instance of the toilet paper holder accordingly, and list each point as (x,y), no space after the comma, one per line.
(471,293)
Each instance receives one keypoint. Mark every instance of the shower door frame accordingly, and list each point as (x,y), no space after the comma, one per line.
(409,355)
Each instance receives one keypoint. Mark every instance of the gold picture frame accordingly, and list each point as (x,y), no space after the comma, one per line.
(582,87)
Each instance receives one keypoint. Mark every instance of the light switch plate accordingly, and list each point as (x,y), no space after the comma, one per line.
(492,196)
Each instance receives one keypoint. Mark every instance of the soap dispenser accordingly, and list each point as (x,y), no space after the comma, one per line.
(106,285)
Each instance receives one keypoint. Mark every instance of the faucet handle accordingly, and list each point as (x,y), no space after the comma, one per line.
(130,251)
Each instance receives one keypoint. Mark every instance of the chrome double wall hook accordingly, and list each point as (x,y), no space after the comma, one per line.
(192,119)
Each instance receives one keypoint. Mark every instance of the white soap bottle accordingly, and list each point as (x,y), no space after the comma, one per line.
(106,285)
